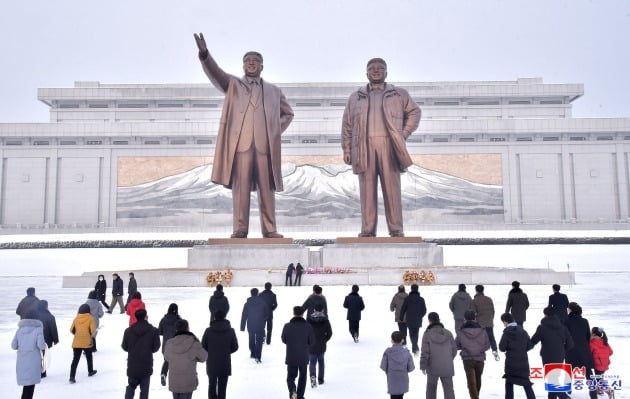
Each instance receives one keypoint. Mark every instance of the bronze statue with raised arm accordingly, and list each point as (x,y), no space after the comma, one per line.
(376,123)
(247,154)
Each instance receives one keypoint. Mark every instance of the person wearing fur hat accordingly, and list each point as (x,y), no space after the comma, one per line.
(29,342)
(182,353)
(473,343)
(437,351)
(83,328)
(167,331)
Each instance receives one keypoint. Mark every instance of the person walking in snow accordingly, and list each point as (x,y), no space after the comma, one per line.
(460,303)
(96,310)
(255,315)
(473,342)
(83,328)
(219,340)
(166,328)
(101,290)
(117,294)
(218,301)
(313,299)
(397,363)
(182,353)
(28,304)
(322,332)
(134,305)
(484,314)
(28,342)
(270,299)
(140,341)
(354,304)
(413,310)
(515,343)
(517,303)
(297,335)
(396,306)
(559,302)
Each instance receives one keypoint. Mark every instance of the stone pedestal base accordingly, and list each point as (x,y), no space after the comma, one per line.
(388,255)
(250,256)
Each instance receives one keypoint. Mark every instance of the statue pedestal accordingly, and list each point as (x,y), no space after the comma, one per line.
(382,252)
(247,253)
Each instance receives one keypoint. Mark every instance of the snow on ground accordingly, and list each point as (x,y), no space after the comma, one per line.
(351,369)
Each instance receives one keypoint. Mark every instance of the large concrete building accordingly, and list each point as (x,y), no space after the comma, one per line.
(487,153)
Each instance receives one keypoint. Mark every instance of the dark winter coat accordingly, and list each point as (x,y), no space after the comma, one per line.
(312,301)
(219,340)
(517,305)
(559,303)
(601,354)
(554,339)
(118,287)
(413,310)
(270,299)
(354,304)
(140,341)
(515,343)
(101,289)
(437,351)
(51,336)
(459,304)
(299,270)
(472,341)
(298,336)
(397,362)
(182,353)
(27,305)
(290,270)
(132,287)
(484,310)
(580,354)
(166,327)
(218,301)
(29,342)
(322,331)
(396,305)
(255,314)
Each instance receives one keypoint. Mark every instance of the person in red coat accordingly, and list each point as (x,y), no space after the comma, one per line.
(600,350)
(133,305)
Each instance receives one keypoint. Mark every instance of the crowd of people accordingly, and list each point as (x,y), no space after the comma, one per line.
(563,334)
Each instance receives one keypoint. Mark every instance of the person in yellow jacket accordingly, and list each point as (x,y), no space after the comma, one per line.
(84,329)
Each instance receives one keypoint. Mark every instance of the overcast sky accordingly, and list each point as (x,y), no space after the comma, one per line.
(46,43)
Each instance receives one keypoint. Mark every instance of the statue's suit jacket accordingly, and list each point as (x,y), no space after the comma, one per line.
(278,116)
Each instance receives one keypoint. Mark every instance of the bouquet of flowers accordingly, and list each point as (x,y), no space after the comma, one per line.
(411,277)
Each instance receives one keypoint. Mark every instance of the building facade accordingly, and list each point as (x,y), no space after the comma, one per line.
(487,153)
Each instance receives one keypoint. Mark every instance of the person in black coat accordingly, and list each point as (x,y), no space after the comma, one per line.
(289,275)
(28,304)
(219,340)
(140,341)
(322,332)
(559,303)
(555,341)
(255,315)
(517,303)
(270,299)
(218,301)
(354,304)
(297,335)
(299,270)
(117,294)
(132,288)
(580,330)
(315,298)
(515,343)
(51,336)
(101,290)
(167,331)
(413,310)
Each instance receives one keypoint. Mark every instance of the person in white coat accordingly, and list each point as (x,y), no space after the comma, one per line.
(29,343)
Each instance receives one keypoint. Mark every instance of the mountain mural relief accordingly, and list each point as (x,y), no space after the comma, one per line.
(314,195)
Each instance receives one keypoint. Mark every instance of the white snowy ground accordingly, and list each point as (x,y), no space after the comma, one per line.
(351,369)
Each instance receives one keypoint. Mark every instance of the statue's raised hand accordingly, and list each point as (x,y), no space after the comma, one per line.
(201,43)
